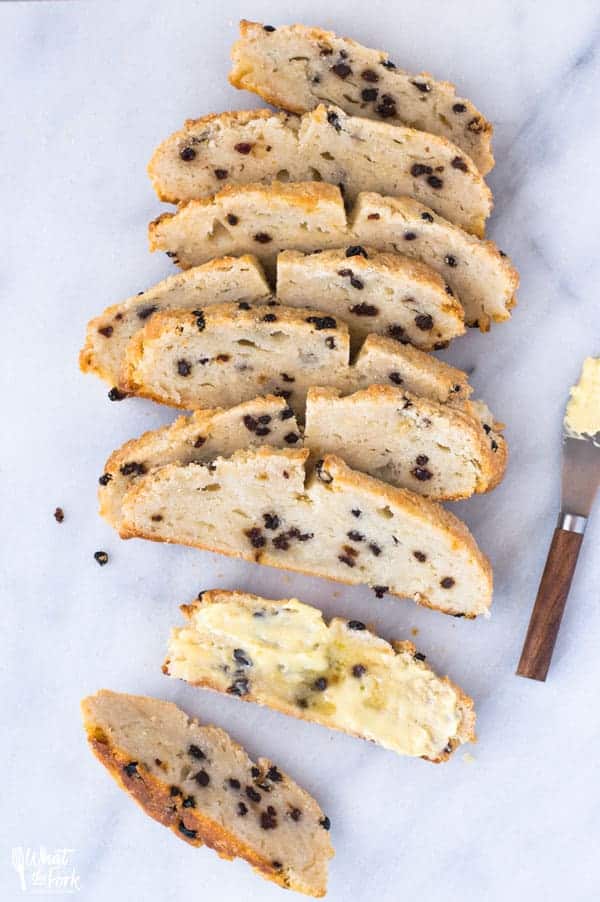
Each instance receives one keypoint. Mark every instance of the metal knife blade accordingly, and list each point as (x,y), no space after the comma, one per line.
(580,472)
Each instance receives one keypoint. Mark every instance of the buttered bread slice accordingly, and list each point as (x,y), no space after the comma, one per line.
(224,354)
(194,779)
(284,654)
(245,146)
(308,216)
(218,281)
(266,505)
(297,68)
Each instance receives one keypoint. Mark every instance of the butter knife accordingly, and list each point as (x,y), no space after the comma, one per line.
(580,480)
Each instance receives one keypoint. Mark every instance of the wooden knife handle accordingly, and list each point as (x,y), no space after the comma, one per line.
(549,605)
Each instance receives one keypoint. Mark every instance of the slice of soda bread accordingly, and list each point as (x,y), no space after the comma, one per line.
(297,67)
(267,505)
(197,781)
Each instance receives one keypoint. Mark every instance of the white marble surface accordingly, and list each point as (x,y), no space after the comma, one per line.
(88,90)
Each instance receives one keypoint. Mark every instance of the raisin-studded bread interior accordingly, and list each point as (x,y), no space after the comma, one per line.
(310,216)
(266,505)
(225,354)
(326,144)
(297,67)
(196,780)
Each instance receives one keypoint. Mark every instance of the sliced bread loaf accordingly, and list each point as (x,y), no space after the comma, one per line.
(266,505)
(339,674)
(223,279)
(309,216)
(442,451)
(400,298)
(296,67)
(382,293)
(197,781)
(220,355)
(246,146)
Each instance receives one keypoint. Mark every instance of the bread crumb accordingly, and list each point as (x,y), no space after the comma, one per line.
(468,758)
(414,631)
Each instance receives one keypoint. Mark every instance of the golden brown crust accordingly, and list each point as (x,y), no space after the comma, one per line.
(133,356)
(154,226)
(441,372)
(232,117)
(305,195)
(154,798)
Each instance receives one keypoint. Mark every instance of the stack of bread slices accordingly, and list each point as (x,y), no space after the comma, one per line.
(326,250)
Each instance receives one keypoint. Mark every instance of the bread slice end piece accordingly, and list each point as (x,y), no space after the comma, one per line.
(154,792)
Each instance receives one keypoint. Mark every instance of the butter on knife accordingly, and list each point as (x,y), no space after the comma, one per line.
(583,409)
